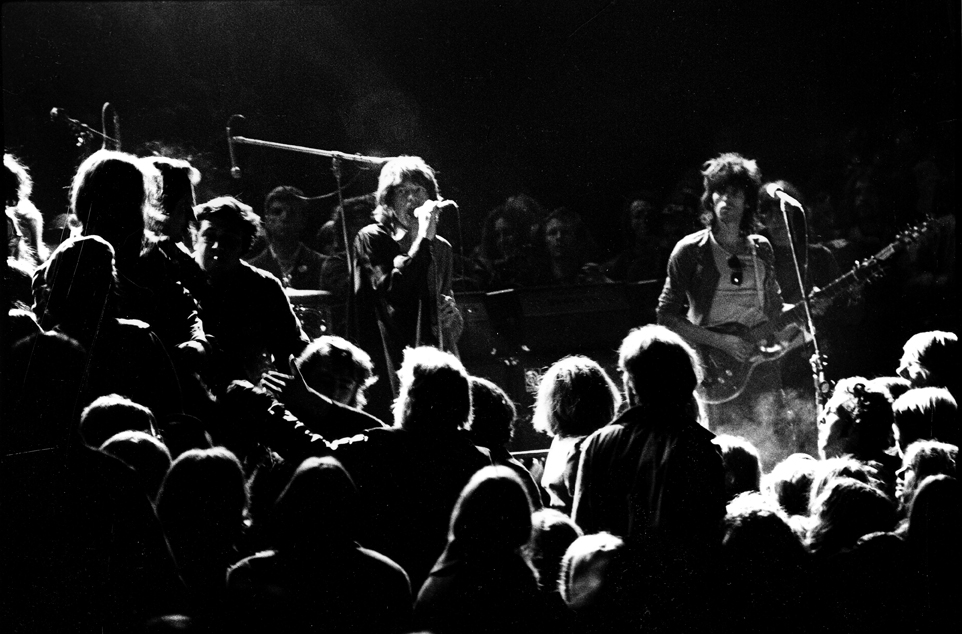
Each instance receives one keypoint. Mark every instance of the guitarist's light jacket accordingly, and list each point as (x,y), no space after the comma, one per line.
(693,277)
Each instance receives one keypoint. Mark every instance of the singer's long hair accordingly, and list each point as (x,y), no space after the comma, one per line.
(399,170)
(733,170)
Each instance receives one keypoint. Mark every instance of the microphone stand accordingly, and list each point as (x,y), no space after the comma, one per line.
(336,159)
(822,386)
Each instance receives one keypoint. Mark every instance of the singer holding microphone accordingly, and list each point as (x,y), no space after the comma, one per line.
(403,275)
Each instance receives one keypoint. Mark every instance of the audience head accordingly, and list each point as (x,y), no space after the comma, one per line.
(590,573)
(935,518)
(552,533)
(826,471)
(790,483)
(493,414)
(575,397)
(405,183)
(175,195)
(493,514)
(893,386)
(845,511)
(505,232)
(743,467)
(922,459)
(285,210)
(435,392)
(566,237)
(931,359)
(17,184)
(109,196)
(204,497)
(926,413)
(856,420)
(756,528)
(359,212)
(659,368)
(112,414)
(731,171)
(183,432)
(143,453)
(317,511)
(338,369)
(226,233)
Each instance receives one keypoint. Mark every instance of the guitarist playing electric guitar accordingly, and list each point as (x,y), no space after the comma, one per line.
(725,274)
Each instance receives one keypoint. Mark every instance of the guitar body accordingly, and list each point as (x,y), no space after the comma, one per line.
(725,376)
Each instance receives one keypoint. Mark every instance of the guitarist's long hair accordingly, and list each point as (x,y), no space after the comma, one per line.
(733,170)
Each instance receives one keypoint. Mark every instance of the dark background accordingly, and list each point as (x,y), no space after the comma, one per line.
(577,103)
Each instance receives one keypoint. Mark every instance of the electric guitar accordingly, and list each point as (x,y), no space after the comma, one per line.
(726,376)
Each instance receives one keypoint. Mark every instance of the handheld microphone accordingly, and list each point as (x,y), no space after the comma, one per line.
(235,171)
(778,193)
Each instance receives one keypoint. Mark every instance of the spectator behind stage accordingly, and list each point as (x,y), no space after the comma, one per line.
(926,413)
(654,478)
(743,468)
(410,475)
(645,254)
(247,310)
(857,421)
(109,415)
(171,218)
(505,258)
(575,397)
(124,356)
(568,247)
(202,505)
(286,257)
(931,359)
(145,454)
(335,277)
(316,576)
(482,582)
(922,459)
(110,195)
(493,420)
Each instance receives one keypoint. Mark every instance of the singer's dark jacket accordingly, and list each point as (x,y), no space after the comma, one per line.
(396,298)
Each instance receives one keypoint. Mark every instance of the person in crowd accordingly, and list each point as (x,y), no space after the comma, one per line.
(723,281)
(124,356)
(111,414)
(18,187)
(505,258)
(845,511)
(410,475)
(552,532)
(858,421)
(286,256)
(316,576)
(493,420)
(923,458)
(790,484)
(893,386)
(592,583)
(654,478)
(335,277)
(568,246)
(645,255)
(765,567)
(482,582)
(828,470)
(19,265)
(144,453)
(110,194)
(403,274)
(575,397)
(933,539)
(931,359)
(202,506)
(743,466)
(171,218)
(247,310)
(72,510)
(926,413)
